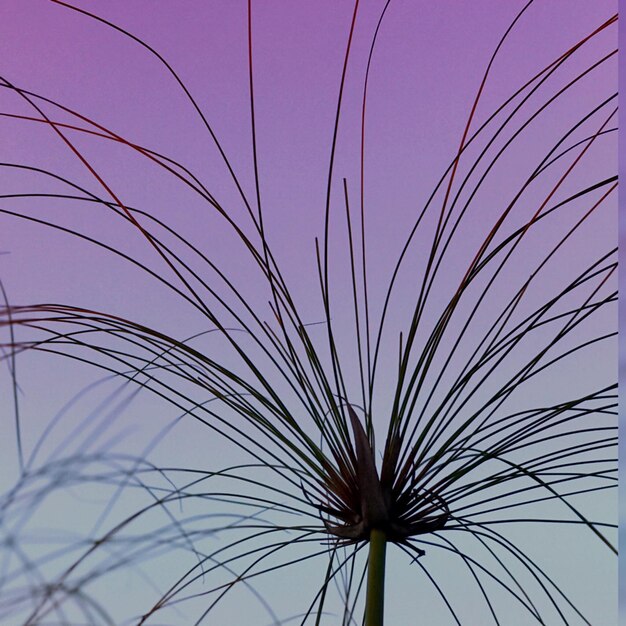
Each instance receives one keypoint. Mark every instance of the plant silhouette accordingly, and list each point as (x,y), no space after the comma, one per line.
(422,430)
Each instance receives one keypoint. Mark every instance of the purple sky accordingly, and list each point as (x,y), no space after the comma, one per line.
(425,72)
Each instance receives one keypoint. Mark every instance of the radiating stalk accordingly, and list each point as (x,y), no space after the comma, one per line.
(375,601)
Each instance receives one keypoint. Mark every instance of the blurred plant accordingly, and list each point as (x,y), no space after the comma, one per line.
(482,365)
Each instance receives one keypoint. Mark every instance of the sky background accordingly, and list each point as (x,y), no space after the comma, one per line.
(425,71)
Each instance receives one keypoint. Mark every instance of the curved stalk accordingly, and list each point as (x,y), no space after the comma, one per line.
(374,603)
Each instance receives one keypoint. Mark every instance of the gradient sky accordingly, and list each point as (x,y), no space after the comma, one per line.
(425,72)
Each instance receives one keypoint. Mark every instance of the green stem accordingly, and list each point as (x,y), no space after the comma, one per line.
(374,603)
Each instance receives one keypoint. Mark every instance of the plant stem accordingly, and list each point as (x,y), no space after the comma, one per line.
(374,603)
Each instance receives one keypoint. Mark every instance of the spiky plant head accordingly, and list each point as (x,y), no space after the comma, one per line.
(447,407)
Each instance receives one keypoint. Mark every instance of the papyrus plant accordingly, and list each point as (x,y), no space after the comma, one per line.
(449,415)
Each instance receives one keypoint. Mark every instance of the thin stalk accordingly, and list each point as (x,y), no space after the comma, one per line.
(375,601)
